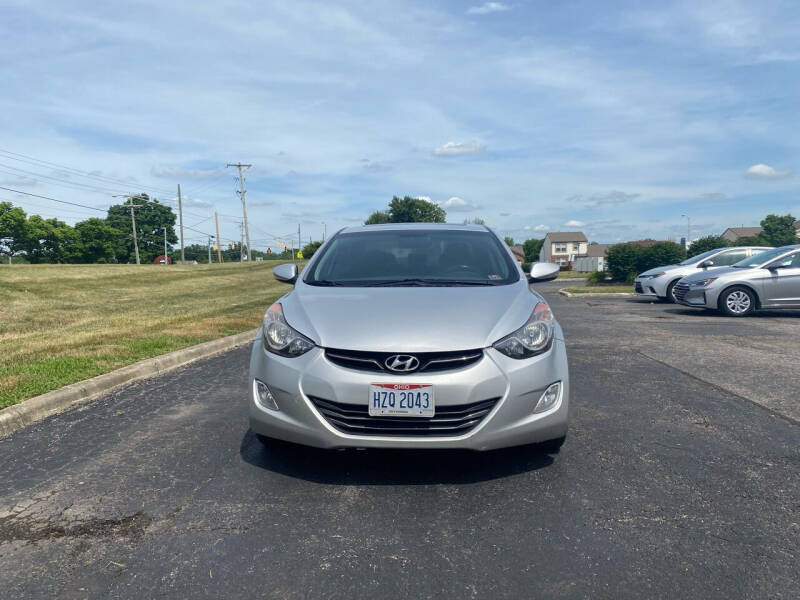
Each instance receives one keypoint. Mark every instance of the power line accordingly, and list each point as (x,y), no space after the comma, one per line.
(54,199)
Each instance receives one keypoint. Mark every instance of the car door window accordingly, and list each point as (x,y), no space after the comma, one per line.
(729,258)
(787,262)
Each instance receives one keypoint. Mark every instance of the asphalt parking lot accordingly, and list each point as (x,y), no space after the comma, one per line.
(680,477)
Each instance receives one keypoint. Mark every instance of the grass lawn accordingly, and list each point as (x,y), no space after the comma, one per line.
(601,289)
(571,275)
(64,323)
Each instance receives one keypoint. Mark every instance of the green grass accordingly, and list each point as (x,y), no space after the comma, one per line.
(60,324)
(571,275)
(601,289)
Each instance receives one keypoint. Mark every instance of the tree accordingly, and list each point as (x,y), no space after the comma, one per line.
(48,240)
(310,248)
(778,230)
(95,241)
(704,244)
(509,241)
(12,228)
(408,210)
(151,219)
(660,254)
(531,248)
(379,217)
(623,260)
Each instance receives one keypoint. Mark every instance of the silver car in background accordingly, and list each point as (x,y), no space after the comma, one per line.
(767,280)
(660,282)
(411,336)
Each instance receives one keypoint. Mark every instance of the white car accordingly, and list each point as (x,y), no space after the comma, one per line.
(660,282)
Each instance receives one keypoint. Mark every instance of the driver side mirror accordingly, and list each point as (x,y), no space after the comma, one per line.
(286,273)
(706,263)
(543,272)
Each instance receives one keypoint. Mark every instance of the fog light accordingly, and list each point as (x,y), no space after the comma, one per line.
(549,398)
(264,396)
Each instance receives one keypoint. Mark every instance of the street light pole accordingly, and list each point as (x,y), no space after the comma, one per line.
(688,230)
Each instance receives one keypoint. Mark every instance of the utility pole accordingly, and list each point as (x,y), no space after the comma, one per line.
(241,166)
(180,216)
(299,239)
(209,249)
(166,261)
(219,248)
(131,206)
(688,230)
(241,242)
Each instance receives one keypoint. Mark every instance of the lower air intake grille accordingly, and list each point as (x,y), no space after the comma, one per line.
(680,290)
(448,421)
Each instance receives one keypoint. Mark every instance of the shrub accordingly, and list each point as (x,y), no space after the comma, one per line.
(526,266)
(596,277)
(704,244)
(623,260)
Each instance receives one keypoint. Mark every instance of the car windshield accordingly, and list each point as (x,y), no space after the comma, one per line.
(699,257)
(413,257)
(760,258)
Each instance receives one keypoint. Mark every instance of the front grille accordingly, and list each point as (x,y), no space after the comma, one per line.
(638,288)
(448,420)
(680,290)
(428,361)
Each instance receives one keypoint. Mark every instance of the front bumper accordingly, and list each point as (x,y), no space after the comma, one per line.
(517,383)
(650,287)
(697,297)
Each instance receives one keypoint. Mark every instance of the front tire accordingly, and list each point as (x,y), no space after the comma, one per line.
(670,297)
(737,302)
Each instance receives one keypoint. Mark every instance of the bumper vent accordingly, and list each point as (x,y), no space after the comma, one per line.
(680,290)
(429,362)
(637,287)
(448,421)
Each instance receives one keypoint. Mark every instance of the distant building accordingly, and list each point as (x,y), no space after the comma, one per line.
(594,260)
(646,243)
(161,260)
(560,247)
(734,233)
(518,252)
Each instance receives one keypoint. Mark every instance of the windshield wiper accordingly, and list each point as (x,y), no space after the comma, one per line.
(326,283)
(428,282)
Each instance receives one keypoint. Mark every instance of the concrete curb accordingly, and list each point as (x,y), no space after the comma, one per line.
(564,292)
(37,408)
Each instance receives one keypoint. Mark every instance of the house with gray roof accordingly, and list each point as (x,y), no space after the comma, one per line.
(561,247)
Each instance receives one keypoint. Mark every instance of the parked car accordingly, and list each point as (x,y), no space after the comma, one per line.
(767,280)
(660,282)
(411,336)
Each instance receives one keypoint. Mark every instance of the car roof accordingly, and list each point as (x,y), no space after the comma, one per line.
(415,226)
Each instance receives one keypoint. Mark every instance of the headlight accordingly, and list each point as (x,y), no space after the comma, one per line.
(652,276)
(279,337)
(532,338)
(703,282)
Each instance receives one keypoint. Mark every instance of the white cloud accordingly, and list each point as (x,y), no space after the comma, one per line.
(762,171)
(426,198)
(487,8)
(527,228)
(574,223)
(456,204)
(541,228)
(458,149)
(177,172)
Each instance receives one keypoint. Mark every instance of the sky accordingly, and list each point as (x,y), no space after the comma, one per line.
(616,119)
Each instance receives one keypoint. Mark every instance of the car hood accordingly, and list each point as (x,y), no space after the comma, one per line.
(408,319)
(660,269)
(718,272)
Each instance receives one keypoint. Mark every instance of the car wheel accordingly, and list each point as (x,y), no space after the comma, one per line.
(552,446)
(737,302)
(670,297)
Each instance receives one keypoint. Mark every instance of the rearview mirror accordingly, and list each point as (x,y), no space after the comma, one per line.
(543,271)
(706,263)
(286,273)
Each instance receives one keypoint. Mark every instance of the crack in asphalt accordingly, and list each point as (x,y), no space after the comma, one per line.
(132,526)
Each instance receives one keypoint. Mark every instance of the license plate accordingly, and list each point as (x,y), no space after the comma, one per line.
(401,400)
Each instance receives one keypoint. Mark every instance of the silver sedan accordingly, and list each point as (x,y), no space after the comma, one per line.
(411,336)
(770,279)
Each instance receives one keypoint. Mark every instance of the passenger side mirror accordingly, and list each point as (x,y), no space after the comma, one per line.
(286,273)
(706,263)
(543,272)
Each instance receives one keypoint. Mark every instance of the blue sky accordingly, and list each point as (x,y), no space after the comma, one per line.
(536,116)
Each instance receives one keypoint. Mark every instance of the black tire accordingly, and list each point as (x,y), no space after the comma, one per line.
(737,301)
(670,297)
(552,446)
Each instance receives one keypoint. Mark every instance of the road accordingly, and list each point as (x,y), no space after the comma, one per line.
(680,477)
